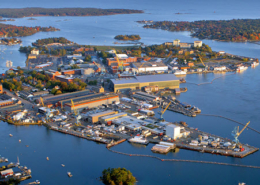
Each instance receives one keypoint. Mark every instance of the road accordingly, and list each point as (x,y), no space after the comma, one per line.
(27,105)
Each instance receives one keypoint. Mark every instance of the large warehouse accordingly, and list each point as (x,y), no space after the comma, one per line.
(162,81)
(150,66)
(92,102)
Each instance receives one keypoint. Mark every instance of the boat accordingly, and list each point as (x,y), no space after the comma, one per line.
(27,145)
(139,140)
(69,174)
(196,109)
(20,141)
(10,135)
(241,68)
(179,72)
(254,64)
(37,182)
(62,165)
(47,158)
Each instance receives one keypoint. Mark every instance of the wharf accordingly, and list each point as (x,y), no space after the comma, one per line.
(81,135)
(109,145)
(179,109)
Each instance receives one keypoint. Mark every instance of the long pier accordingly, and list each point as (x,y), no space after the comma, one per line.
(185,160)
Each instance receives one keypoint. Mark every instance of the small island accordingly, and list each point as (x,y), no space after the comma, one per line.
(12,41)
(236,30)
(127,37)
(117,176)
(29,12)
(7,30)
(50,41)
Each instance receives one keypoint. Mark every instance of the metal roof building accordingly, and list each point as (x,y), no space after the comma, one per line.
(162,81)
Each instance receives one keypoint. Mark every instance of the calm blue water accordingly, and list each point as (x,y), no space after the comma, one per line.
(234,96)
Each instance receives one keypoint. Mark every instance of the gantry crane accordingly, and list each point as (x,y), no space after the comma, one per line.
(163,111)
(236,133)
(76,112)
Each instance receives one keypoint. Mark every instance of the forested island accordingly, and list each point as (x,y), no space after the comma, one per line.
(41,42)
(127,37)
(28,12)
(12,41)
(7,30)
(236,30)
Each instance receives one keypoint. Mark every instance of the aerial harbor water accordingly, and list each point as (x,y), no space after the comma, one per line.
(234,96)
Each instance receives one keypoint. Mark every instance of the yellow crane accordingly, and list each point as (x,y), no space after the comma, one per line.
(42,101)
(236,133)
(78,117)
(201,60)
(162,112)
(120,64)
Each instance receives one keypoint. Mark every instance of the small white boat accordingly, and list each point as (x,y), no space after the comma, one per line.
(37,182)
(138,139)
(62,165)
(69,174)
(10,135)
(20,140)
(179,72)
(47,158)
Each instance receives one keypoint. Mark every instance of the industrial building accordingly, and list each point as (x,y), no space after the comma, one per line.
(146,96)
(108,119)
(173,131)
(92,102)
(53,100)
(150,66)
(94,118)
(138,82)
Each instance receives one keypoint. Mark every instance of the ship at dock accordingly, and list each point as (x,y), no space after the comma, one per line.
(241,68)
(139,140)
(254,64)
(179,72)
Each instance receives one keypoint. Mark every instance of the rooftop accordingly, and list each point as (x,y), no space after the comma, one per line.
(149,64)
(102,113)
(145,79)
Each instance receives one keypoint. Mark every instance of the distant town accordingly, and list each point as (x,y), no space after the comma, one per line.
(110,95)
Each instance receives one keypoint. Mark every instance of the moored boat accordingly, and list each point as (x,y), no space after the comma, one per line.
(139,139)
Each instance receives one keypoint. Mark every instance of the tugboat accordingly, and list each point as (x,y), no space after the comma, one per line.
(69,174)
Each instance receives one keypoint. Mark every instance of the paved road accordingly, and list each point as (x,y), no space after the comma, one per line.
(27,105)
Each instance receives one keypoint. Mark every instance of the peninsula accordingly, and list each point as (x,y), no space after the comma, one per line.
(236,30)
(7,30)
(29,12)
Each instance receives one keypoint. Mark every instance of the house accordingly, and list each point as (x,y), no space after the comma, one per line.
(35,52)
(221,52)
(190,64)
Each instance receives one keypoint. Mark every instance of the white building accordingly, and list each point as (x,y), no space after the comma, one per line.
(176,42)
(197,43)
(35,52)
(220,68)
(122,55)
(173,131)
(9,63)
(150,66)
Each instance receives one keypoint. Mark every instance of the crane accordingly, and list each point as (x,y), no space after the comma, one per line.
(236,133)
(76,112)
(120,64)
(163,111)
(98,68)
(202,61)
(42,101)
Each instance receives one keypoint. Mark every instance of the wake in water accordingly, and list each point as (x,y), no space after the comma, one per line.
(211,80)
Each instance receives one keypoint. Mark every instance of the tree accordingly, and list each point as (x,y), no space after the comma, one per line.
(88,58)
(117,176)
(53,91)
(58,92)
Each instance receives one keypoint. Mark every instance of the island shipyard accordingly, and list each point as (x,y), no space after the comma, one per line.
(139,82)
